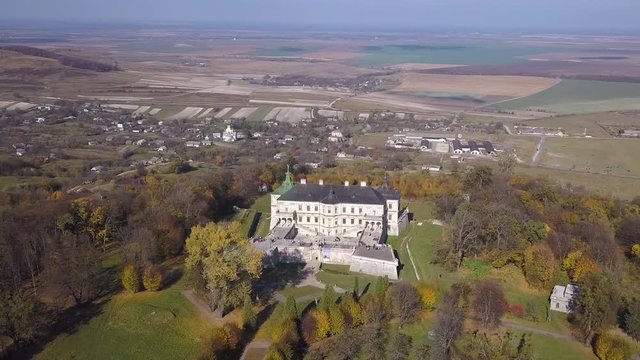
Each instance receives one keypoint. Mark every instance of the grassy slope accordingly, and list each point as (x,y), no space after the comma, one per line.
(340,276)
(161,325)
(580,96)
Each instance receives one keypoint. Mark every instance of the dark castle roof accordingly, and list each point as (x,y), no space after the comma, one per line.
(332,194)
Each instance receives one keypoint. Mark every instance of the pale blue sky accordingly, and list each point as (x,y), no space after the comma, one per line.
(586,15)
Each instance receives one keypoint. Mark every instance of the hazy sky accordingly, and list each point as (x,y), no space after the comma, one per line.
(585,15)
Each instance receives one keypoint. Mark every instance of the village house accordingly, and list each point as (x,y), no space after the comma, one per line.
(563,298)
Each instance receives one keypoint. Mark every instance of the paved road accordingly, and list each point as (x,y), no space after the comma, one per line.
(539,151)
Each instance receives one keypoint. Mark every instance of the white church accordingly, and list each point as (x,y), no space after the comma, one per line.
(337,224)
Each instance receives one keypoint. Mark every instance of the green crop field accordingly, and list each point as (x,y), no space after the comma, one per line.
(580,97)
(146,325)
(277,52)
(596,124)
(476,53)
(603,156)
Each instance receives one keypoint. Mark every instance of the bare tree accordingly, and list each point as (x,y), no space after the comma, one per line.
(489,303)
(449,325)
(464,232)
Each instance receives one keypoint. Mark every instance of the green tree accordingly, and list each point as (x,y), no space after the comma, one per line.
(632,319)
(336,321)
(130,279)
(501,346)
(290,308)
(226,261)
(329,298)
(152,278)
(249,318)
(596,306)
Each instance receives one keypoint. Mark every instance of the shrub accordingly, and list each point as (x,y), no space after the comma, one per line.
(152,279)
(609,348)
(516,310)
(427,296)
(130,279)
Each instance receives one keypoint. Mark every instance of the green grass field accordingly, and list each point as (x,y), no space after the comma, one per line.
(603,156)
(298,292)
(340,276)
(146,325)
(462,53)
(580,97)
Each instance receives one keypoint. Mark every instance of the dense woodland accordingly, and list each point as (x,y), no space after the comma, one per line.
(53,247)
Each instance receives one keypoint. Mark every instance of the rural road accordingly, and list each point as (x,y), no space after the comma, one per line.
(539,151)
(259,344)
(516,326)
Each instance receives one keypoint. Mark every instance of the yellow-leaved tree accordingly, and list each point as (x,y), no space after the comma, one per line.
(227,262)
(578,266)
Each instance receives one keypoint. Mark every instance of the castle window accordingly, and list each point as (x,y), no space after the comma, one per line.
(300,207)
(344,209)
(308,219)
(360,210)
(390,206)
(353,210)
(352,221)
(360,221)
(316,208)
(315,219)
(299,218)
(308,208)
(344,221)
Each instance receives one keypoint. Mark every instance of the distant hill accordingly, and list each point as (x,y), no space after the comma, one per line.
(66,60)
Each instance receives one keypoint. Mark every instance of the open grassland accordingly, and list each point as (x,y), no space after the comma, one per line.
(595,124)
(475,85)
(621,187)
(580,97)
(145,325)
(617,157)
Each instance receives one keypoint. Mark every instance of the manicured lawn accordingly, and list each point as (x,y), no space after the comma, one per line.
(162,325)
(549,348)
(340,276)
(298,292)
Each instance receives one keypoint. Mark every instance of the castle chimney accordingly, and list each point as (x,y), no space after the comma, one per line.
(320,182)
(303,181)
(363,183)
(346,183)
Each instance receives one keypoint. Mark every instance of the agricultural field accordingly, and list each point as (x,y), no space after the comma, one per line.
(283,51)
(244,113)
(459,53)
(474,85)
(596,125)
(580,97)
(617,157)
(288,114)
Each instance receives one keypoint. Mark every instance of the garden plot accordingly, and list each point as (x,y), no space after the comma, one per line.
(122,106)
(288,114)
(188,113)
(244,113)
(332,114)
(20,106)
(222,112)
(141,110)
(205,113)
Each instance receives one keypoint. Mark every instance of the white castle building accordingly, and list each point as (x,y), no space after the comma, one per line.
(345,224)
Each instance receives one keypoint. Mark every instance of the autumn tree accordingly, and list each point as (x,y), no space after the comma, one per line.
(130,279)
(631,320)
(152,278)
(224,258)
(489,303)
(427,295)
(450,318)
(538,265)
(398,346)
(290,308)
(579,266)
(21,316)
(464,233)
(405,301)
(607,347)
